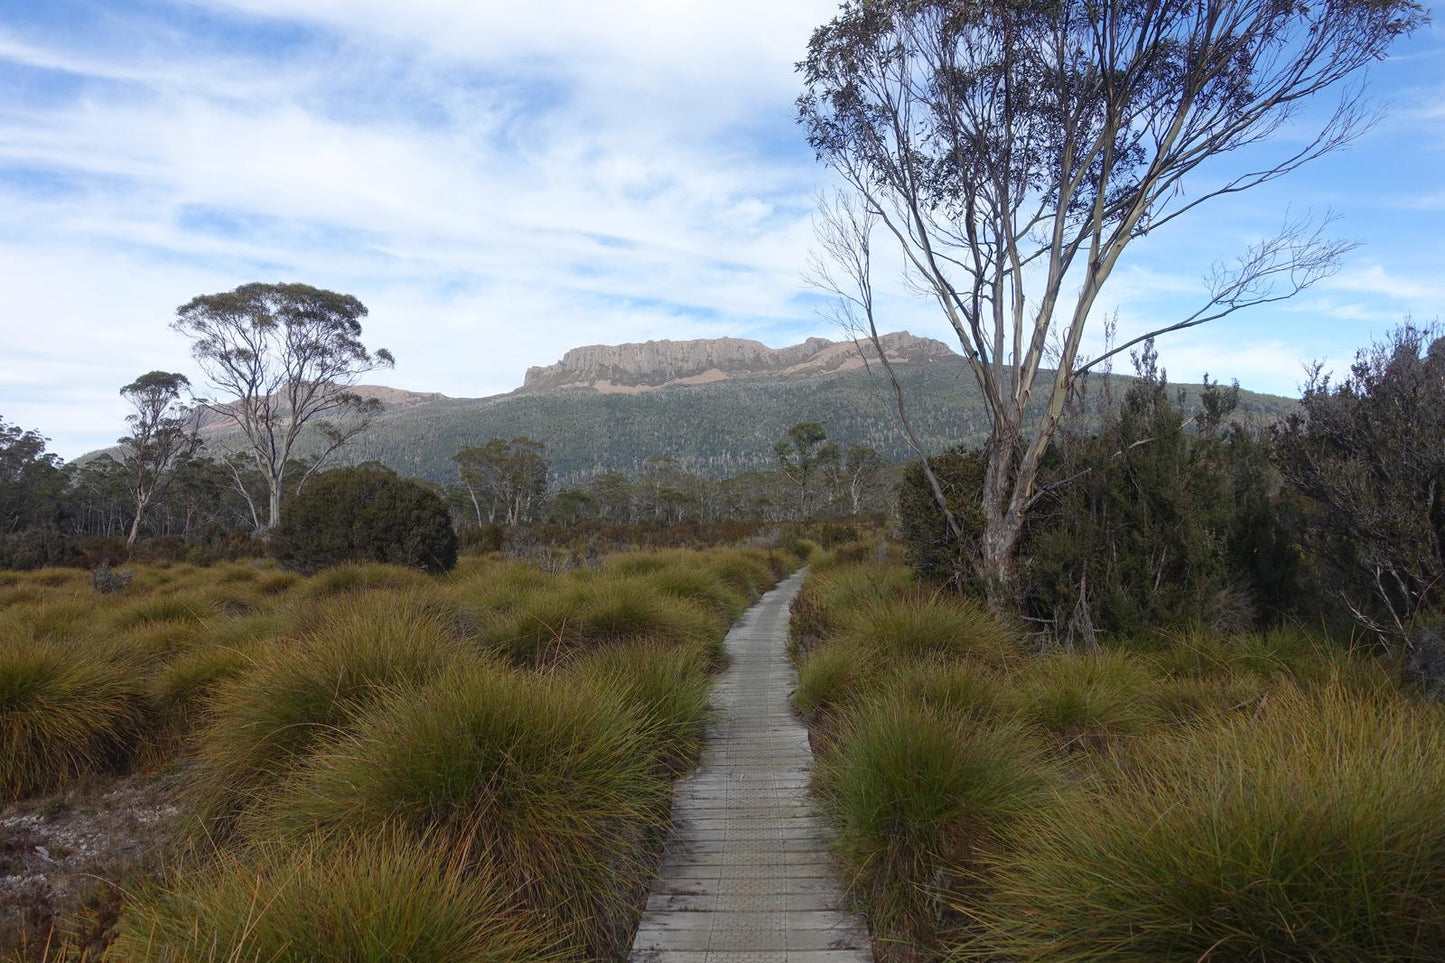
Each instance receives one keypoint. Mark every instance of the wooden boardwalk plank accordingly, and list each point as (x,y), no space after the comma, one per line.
(747,876)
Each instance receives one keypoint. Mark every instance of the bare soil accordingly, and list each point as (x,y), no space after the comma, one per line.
(65,861)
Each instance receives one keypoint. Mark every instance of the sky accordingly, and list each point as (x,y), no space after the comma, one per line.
(499,182)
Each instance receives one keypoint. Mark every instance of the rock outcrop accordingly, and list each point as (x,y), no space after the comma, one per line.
(632,368)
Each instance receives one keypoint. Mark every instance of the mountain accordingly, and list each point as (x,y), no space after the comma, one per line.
(717,406)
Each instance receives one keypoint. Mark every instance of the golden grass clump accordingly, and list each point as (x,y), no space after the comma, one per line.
(553,779)
(293,694)
(65,711)
(920,798)
(364,899)
(1313,829)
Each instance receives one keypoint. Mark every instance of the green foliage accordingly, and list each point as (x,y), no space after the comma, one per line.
(368,899)
(1152,521)
(1366,456)
(1314,830)
(362,514)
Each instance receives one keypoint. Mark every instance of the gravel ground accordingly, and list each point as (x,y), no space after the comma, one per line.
(64,860)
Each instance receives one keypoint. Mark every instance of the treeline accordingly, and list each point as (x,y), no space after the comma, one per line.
(211,508)
(510,482)
(1161,518)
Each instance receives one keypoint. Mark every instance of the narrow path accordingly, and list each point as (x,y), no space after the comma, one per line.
(747,875)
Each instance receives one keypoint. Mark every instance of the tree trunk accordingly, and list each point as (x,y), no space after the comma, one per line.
(275,513)
(135,525)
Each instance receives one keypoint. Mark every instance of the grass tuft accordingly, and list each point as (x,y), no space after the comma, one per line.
(919,797)
(64,712)
(554,780)
(294,694)
(1313,829)
(369,899)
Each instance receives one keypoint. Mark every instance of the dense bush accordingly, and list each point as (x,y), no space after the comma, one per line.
(1367,455)
(1153,519)
(365,515)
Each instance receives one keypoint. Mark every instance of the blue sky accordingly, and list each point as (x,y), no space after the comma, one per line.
(501,182)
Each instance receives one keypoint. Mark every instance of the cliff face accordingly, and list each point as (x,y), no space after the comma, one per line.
(634,368)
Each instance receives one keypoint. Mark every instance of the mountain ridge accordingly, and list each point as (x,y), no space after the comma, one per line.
(715,406)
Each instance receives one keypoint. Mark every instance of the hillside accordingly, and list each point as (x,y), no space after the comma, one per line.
(717,406)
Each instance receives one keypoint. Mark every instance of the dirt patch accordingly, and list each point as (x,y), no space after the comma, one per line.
(65,859)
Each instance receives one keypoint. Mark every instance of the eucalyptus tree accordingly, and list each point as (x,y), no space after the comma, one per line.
(1013,150)
(283,358)
(163,435)
(798,457)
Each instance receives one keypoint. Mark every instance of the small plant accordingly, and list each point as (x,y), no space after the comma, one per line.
(109,581)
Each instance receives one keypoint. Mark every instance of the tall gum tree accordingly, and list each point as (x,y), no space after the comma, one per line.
(1013,149)
(282,357)
(163,436)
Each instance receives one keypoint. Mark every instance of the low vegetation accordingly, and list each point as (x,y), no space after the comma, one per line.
(371,763)
(1186,795)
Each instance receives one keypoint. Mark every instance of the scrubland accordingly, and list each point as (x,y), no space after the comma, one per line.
(369,763)
(1181,796)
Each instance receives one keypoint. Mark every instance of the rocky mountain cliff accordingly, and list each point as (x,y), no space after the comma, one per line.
(633,368)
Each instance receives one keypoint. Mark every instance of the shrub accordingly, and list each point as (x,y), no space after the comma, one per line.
(920,797)
(295,693)
(365,514)
(363,900)
(64,711)
(1311,830)
(552,781)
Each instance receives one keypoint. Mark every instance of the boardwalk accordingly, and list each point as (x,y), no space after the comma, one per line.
(747,876)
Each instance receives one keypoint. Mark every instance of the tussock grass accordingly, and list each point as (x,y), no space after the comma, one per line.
(831,678)
(360,577)
(184,607)
(292,695)
(64,712)
(1086,699)
(919,797)
(555,782)
(367,899)
(916,626)
(956,689)
(1313,830)
(549,626)
(667,688)
(702,587)
(830,598)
